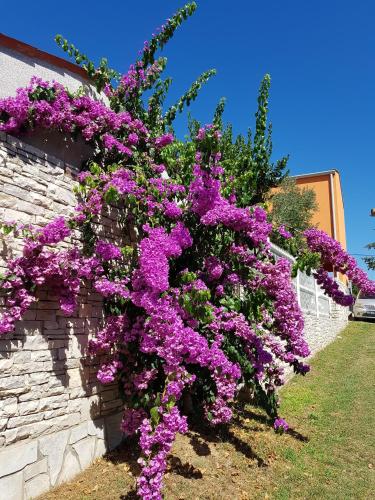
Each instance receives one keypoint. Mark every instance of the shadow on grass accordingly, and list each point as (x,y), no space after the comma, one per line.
(297,435)
(242,414)
(130,495)
(183,469)
(201,435)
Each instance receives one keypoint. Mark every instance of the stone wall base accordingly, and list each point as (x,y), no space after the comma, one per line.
(30,468)
(321,330)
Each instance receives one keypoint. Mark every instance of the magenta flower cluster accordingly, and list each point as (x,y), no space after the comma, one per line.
(280,425)
(60,110)
(334,256)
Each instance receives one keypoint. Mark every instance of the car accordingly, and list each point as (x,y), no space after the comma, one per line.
(364,306)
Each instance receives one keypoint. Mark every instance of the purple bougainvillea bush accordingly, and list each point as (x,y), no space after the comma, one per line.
(199,306)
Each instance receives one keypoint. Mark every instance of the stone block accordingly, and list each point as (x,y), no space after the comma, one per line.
(36,486)
(14,422)
(100,448)
(74,405)
(8,407)
(53,447)
(38,377)
(28,407)
(75,347)
(16,457)
(56,381)
(6,364)
(65,421)
(21,357)
(29,315)
(28,368)
(34,340)
(26,182)
(85,451)
(73,363)
(96,428)
(46,315)
(48,305)
(77,392)
(57,343)
(29,208)
(53,402)
(15,382)
(54,413)
(11,487)
(15,191)
(51,325)
(40,356)
(78,433)
(69,468)
(35,469)
(113,431)
(10,436)
(74,377)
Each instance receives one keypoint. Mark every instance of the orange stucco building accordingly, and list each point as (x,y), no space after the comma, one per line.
(330,213)
(329,216)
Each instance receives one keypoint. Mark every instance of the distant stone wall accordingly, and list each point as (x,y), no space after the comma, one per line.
(322,330)
(324,319)
(55,417)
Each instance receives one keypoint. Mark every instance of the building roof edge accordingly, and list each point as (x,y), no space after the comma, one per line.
(314,174)
(34,53)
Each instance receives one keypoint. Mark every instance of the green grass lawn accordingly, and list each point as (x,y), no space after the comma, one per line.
(329,452)
(335,408)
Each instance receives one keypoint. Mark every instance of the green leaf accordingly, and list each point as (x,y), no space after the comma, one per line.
(111,195)
(155,415)
(6,229)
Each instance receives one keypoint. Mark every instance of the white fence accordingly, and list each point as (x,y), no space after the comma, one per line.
(323,318)
(311,297)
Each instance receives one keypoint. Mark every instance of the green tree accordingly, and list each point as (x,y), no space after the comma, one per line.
(370,261)
(248,158)
(292,207)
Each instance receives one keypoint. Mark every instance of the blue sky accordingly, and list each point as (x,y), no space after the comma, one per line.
(320,56)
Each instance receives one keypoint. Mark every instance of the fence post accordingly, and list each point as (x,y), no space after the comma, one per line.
(316,298)
(298,289)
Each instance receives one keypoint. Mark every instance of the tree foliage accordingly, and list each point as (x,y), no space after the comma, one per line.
(292,207)
(370,261)
(247,159)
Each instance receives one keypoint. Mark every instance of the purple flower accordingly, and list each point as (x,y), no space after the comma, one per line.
(164,140)
(54,232)
(172,210)
(280,425)
(133,139)
(107,251)
(284,233)
(333,254)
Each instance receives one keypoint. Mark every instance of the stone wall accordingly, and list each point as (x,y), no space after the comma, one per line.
(55,418)
(322,330)
(324,319)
